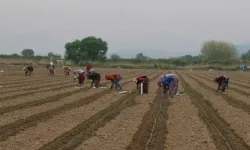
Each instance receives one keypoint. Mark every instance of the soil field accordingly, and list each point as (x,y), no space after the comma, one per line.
(42,112)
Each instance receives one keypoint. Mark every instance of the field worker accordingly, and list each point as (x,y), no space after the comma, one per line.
(67,70)
(28,70)
(175,83)
(144,80)
(222,83)
(96,78)
(115,79)
(80,75)
(52,68)
(169,83)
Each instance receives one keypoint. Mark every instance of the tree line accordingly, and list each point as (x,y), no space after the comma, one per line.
(95,49)
(30,53)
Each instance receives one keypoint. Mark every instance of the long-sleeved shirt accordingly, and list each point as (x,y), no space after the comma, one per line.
(112,77)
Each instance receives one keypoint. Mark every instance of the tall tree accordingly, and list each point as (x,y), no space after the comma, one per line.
(140,56)
(28,52)
(89,48)
(219,50)
(72,50)
(51,54)
(115,57)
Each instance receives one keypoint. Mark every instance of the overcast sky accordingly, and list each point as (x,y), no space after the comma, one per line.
(157,28)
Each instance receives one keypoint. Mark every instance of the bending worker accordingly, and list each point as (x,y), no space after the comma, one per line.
(96,78)
(80,75)
(144,80)
(169,83)
(115,79)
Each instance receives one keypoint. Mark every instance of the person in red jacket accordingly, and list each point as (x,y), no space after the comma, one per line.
(144,80)
(114,78)
(222,83)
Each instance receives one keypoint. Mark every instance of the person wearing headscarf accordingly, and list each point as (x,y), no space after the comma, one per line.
(115,79)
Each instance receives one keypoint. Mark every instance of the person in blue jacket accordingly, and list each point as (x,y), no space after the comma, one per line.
(169,83)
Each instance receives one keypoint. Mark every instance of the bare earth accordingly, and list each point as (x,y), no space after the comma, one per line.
(48,113)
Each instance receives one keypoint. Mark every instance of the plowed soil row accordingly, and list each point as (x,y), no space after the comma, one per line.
(43,75)
(234,114)
(84,130)
(37,79)
(235,87)
(185,129)
(118,133)
(217,116)
(77,118)
(235,99)
(237,82)
(30,82)
(242,77)
(151,132)
(15,127)
(49,99)
(57,87)
(39,84)
(15,80)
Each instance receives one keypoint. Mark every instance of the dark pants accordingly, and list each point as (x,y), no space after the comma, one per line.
(67,72)
(81,78)
(51,71)
(145,86)
(97,83)
(28,72)
(223,85)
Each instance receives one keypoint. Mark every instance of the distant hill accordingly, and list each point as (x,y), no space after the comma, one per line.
(243,48)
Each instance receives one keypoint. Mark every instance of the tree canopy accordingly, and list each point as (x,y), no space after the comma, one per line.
(51,54)
(115,57)
(141,56)
(219,50)
(89,48)
(28,52)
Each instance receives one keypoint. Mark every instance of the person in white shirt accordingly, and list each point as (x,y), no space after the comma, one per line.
(80,75)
